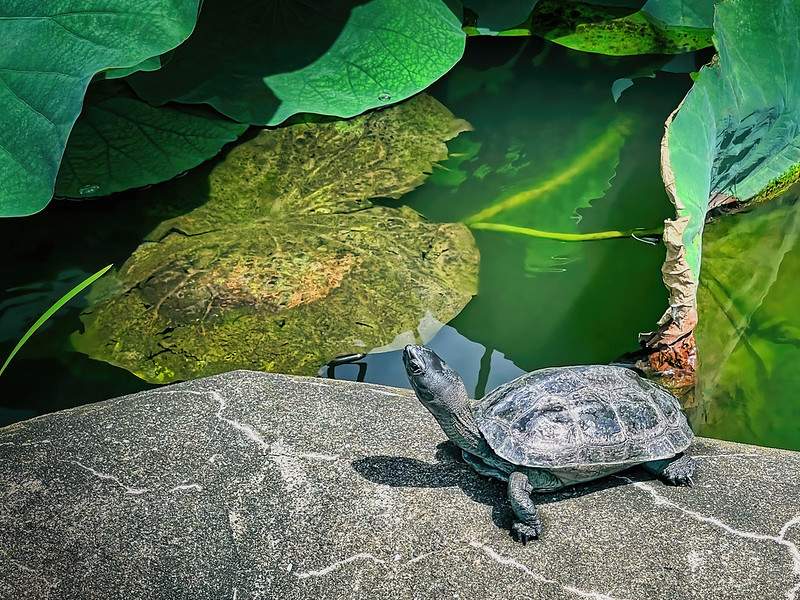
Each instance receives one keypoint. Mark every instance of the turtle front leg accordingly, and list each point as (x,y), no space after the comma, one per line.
(527,525)
(674,471)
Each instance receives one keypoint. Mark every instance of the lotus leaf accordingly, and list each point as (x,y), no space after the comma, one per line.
(289,263)
(734,139)
(261,64)
(492,17)
(698,14)
(51,50)
(121,142)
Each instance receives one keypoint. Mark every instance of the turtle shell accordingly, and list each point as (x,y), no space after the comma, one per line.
(582,416)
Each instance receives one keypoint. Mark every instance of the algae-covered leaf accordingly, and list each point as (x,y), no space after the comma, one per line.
(289,264)
(51,50)
(735,138)
(120,142)
(660,27)
(748,333)
(261,64)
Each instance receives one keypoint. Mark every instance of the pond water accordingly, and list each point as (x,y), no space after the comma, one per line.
(550,141)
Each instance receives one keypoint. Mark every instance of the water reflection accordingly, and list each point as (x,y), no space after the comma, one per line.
(549,141)
(482,369)
(748,335)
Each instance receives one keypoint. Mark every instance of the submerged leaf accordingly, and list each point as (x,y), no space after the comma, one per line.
(289,264)
(734,139)
(264,63)
(51,50)
(120,142)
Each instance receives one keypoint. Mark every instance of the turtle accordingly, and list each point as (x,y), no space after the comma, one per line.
(556,427)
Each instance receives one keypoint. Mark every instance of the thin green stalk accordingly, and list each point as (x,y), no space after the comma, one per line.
(565,237)
(52,310)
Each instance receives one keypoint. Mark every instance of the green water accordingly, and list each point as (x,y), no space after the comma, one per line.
(547,132)
(536,113)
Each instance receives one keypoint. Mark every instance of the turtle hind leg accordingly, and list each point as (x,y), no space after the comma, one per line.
(674,471)
(527,525)
(481,467)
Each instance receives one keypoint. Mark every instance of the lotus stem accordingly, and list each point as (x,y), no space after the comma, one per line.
(566,237)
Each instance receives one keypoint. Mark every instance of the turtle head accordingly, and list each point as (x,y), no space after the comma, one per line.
(438,386)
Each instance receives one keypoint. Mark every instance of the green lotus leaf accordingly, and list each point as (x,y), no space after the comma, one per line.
(735,137)
(58,47)
(120,142)
(748,333)
(492,17)
(152,63)
(341,58)
(698,14)
(289,264)
(658,28)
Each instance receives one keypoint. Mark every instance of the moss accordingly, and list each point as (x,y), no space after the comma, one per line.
(778,186)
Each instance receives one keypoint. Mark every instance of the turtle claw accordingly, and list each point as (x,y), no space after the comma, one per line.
(525,532)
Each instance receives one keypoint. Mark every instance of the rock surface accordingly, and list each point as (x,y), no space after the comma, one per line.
(248,485)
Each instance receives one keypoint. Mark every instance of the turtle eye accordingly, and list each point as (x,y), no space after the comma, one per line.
(416,368)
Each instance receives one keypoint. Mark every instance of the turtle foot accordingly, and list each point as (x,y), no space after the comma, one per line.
(525,532)
(680,472)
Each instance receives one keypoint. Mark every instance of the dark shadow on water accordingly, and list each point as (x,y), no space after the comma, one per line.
(449,470)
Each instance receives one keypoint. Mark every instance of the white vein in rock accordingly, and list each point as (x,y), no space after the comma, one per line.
(243,428)
(340,563)
(187,486)
(128,489)
(318,456)
(780,539)
(420,557)
(510,562)
(275,449)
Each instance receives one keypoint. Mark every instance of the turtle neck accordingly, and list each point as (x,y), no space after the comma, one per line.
(454,416)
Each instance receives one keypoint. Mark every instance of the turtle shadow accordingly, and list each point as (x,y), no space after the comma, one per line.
(450,470)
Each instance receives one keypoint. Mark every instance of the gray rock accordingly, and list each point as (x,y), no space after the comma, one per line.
(248,485)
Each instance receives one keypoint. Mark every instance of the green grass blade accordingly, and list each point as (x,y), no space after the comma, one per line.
(52,310)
